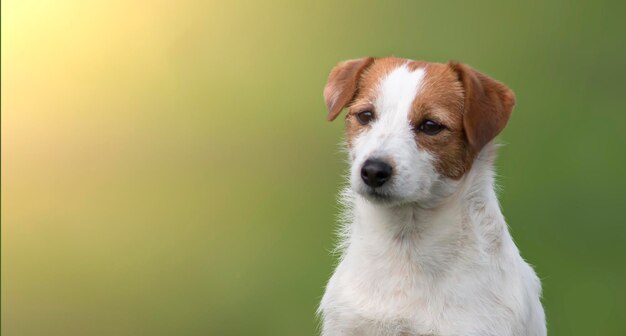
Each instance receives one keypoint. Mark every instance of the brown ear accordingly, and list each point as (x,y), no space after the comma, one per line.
(342,84)
(488,105)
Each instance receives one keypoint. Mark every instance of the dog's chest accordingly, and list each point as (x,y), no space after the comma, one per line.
(393,298)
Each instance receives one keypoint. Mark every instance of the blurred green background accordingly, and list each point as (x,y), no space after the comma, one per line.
(167,168)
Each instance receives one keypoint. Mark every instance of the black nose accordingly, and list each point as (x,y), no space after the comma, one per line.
(375,172)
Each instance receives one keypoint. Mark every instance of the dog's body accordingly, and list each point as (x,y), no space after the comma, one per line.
(426,250)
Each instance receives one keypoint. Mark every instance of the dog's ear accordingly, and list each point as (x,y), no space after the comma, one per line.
(487,107)
(342,84)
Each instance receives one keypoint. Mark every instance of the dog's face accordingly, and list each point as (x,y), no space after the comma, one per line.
(414,128)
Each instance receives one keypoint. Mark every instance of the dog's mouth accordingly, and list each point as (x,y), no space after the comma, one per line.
(377,195)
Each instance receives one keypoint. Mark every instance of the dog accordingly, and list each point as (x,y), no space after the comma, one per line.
(425,249)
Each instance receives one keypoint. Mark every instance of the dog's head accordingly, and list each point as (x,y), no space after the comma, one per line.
(414,128)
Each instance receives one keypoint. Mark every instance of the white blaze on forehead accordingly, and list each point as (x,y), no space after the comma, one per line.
(390,137)
(398,90)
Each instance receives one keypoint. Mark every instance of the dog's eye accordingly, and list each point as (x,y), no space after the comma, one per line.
(365,117)
(430,127)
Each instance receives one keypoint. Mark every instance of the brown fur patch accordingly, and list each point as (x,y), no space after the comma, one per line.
(441,100)
(343,84)
(488,105)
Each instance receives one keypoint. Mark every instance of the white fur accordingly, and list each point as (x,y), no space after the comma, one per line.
(436,258)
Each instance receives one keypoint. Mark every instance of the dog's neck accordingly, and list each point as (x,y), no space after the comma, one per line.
(465,227)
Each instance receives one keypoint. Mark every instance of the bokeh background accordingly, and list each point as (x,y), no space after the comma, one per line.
(167,168)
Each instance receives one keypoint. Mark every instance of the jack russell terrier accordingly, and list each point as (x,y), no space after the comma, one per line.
(425,248)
